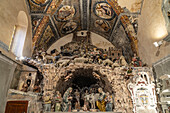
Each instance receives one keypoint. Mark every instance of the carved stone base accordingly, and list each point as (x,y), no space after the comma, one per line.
(83,112)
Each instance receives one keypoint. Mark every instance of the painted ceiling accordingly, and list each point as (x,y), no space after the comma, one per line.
(53,19)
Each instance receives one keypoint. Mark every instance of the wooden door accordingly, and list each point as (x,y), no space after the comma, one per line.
(16,107)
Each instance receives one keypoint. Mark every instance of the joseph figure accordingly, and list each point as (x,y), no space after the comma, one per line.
(101,104)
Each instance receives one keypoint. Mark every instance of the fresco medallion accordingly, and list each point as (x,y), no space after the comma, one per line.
(102,25)
(103,10)
(69,27)
(65,13)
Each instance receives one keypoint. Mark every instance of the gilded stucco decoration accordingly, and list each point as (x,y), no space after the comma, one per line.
(40,2)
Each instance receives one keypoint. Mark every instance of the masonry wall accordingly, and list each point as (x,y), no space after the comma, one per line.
(7,68)
(8,19)
(151,28)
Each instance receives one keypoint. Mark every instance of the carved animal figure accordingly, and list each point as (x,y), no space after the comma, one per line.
(123,61)
(62,63)
(107,62)
(80,60)
(47,57)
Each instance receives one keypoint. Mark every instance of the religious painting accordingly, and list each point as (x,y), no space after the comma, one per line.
(103,10)
(102,25)
(65,13)
(41,2)
(69,27)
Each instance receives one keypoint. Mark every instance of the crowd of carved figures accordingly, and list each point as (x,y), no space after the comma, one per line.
(75,100)
(83,54)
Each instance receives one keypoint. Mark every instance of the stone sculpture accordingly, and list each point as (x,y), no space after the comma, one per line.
(101,100)
(77,103)
(109,102)
(107,62)
(47,102)
(66,107)
(58,100)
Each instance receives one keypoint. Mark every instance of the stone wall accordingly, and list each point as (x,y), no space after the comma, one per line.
(7,68)
(161,74)
(8,19)
(161,67)
(151,29)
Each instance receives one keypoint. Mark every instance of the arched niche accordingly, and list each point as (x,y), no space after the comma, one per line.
(85,76)
(22,19)
(20,34)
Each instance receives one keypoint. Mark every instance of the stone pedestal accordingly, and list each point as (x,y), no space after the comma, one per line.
(83,112)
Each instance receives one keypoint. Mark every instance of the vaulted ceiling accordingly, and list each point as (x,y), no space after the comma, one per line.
(53,19)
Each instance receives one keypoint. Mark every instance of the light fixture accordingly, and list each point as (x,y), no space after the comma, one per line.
(158,44)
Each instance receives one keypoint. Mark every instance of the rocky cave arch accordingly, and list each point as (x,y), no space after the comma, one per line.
(79,78)
(111,80)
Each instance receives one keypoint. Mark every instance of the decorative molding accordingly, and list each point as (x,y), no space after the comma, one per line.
(81,10)
(84,13)
(88,14)
(28,6)
(55,28)
(161,61)
(4,46)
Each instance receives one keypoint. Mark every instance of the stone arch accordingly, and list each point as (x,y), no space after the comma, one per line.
(22,19)
(115,82)
(83,75)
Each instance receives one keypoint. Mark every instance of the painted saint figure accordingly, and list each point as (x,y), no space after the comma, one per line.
(92,99)
(77,96)
(47,102)
(86,101)
(66,107)
(58,100)
(101,100)
(109,102)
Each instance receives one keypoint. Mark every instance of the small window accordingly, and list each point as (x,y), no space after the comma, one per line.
(19,34)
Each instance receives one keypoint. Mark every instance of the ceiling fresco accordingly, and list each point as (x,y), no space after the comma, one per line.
(65,13)
(103,10)
(53,19)
(69,27)
(102,25)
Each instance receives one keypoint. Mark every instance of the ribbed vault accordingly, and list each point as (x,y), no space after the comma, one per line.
(53,19)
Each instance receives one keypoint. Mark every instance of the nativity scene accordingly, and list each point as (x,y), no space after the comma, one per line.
(109,56)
